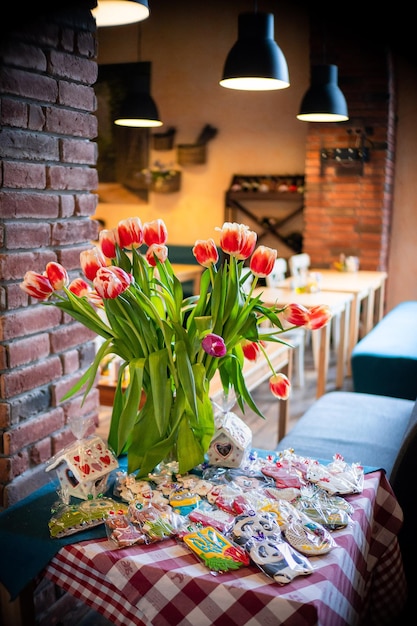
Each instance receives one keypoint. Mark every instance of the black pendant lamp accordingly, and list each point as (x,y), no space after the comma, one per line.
(324,100)
(255,62)
(120,12)
(138,109)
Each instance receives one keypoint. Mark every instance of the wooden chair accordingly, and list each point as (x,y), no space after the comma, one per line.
(297,336)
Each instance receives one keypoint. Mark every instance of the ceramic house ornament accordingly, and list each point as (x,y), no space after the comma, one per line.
(83,467)
(231,443)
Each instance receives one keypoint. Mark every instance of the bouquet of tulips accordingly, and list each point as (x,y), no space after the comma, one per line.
(171,346)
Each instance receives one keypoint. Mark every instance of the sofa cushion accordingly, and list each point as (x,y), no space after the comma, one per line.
(363,428)
(384,362)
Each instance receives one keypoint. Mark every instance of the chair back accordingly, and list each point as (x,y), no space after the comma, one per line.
(278,274)
(299,264)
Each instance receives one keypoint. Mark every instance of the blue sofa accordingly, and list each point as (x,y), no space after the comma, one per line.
(384,362)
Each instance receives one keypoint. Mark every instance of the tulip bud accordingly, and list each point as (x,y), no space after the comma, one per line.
(251,350)
(237,240)
(79,287)
(36,285)
(57,275)
(214,345)
(107,284)
(155,232)
(205,251)
(158,251)
(262,261)
(319,316)
(129,233)
(280,386)
(91,261)
(107,240)
(296,314)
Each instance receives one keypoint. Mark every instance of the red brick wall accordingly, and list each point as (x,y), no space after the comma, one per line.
(47,75)
(348,209)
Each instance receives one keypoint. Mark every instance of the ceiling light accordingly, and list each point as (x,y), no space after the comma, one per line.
(120,12)
(139,111)
(255,62)
(324,100)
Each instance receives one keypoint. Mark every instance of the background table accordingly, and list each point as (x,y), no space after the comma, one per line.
(164,584)
(368,291)
(339,304)
(185,272)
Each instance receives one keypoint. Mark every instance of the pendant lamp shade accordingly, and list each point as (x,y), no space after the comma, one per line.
(120,12)
(255,62)
(139,111)
(324,101)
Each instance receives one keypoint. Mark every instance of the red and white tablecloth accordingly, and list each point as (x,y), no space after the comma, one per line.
(165,585)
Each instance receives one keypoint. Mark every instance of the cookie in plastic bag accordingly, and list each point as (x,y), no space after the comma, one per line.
(277,559)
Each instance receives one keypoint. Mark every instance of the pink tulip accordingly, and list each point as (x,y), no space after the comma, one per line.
(129,233)
(158,251)
(319,316)
(296,314)
(91,261)
(205,251)
(107,240)
(155,232)
(107,284)
(237,240)
(214,345)
(280,386)
(36,285)
(262,261)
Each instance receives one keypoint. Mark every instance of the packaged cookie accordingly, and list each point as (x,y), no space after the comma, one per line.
(213,549)
(277,559)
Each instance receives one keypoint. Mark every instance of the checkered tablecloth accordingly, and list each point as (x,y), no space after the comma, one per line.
(164,584)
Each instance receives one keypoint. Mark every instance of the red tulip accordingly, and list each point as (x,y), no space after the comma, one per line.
(155,232)
(91,261)
(158,251)
(262,261)
(129,233)
(107,240)
(251,349)
(214,345)
(205,251)
(57,275)
(36,285)
(280,386)
(319,316)
(79,287)
(237,240)
(296,314)
(107,284)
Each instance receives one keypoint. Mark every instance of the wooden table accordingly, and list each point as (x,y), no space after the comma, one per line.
(340,305)
(185,272)
(368,291)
